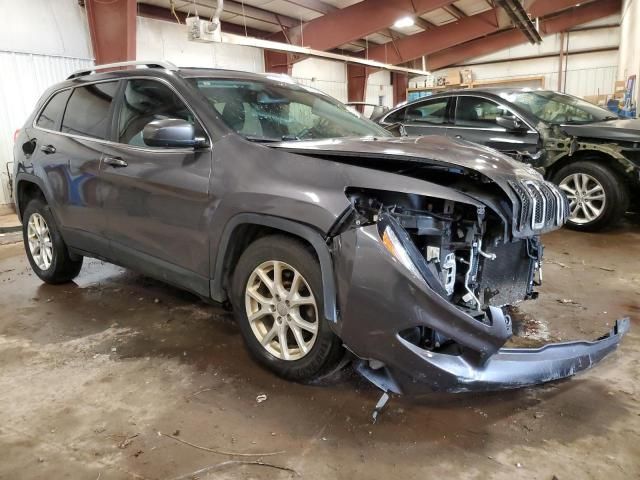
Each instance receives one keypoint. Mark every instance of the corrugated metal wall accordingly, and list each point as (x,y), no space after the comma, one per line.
(24,77)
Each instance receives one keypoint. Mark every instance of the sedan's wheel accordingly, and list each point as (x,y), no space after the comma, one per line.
(48,254)
(586,197)
(598,197)
(277,300)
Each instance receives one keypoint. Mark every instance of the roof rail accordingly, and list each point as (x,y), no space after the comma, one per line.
(134,63)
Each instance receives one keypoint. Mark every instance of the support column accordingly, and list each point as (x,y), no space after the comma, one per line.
(357,84)
(112,26)
(400,83)
(277,62)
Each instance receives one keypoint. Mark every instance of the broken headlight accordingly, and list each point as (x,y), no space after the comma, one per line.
(397,251)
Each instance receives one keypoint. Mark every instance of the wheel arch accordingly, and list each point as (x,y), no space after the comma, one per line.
(28,187)
(242,229)
(610,161)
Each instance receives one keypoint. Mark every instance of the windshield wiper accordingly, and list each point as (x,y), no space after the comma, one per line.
(261,139)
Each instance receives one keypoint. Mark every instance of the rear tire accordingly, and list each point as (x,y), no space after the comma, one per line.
(597,195)
(288,312)
(47,253)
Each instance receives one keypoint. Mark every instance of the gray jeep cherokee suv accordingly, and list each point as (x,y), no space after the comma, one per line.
(327,236)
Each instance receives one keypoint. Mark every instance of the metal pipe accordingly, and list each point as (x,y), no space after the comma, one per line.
(215,18)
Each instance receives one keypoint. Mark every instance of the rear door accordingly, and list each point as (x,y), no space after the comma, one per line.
(69,149)
(475,121)
(157,199)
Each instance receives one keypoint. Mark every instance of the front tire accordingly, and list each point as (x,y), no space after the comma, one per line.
(277,299)
(598,197)
(47,253)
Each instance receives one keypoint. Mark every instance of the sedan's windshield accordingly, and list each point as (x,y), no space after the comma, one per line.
(554,107)
(274,110)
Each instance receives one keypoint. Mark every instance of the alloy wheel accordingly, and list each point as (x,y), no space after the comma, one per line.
(281,310)
(586,195)
(39,239)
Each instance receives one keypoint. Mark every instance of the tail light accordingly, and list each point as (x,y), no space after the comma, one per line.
(15,135)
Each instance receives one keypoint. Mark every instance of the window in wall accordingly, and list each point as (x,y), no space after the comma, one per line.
(50,116)
(88,110)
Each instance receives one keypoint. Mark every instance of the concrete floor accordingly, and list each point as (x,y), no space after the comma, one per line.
(91,371)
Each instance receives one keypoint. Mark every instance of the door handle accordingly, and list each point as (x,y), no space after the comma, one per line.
(48,149)
(115,162)
(459,137)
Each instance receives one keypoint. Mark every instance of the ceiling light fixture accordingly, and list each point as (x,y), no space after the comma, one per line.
(404,22)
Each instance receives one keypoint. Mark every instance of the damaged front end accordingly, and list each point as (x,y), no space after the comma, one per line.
(424,284)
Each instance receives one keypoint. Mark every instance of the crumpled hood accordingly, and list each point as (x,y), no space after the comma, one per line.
(426,149)
(620,130)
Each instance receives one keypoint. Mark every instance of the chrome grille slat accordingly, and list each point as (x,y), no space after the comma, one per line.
(542,205)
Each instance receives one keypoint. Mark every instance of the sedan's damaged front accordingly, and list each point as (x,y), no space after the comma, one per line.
(426,276)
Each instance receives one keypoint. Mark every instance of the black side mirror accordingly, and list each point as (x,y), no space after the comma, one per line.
(171,133)
(511,123)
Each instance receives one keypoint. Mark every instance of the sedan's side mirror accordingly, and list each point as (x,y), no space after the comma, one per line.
(511,123)
(171,133)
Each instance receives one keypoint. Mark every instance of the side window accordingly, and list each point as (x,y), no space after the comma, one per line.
(50,116)
(432,111)
(396,117)
(478,112)
(145,101)
(88,110)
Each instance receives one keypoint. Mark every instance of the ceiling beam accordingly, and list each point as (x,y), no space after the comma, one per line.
(461,31)
(512,37)
(161,13)
(454,11)
(315,5)
(357,21)
(431,41)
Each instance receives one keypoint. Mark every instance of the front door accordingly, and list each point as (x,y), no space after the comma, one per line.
(157,199)
(475,121)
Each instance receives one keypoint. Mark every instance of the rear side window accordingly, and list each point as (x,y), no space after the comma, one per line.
(145,101)
(432,111)
(50,116)
(88,110)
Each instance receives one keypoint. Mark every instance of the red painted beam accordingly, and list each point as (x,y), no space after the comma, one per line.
(112,26)
(277,62)
(431,41)
(400,83)
(357,76)
(356,21)
(580,15)
(510,38)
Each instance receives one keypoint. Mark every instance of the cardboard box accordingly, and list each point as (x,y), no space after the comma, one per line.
(453,77)
(467,76)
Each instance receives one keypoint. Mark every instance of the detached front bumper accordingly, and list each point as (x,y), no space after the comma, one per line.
(379,299)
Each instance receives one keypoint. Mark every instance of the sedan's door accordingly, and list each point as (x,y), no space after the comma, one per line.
(157,198)
(428,117)
(475,121)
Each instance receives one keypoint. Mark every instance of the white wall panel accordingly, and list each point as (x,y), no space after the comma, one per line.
(41,43)
(629,60)
(327,76)
(160,40)
(25,77)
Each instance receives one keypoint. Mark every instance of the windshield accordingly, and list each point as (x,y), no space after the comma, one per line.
(281,110)
(554,107)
